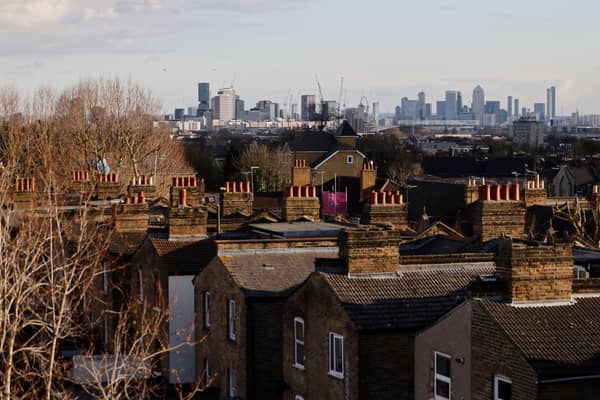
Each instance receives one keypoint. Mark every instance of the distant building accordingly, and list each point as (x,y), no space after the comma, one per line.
(192,111)
(376,114)
(308,107)
(528,132)
(509,106)
(203,98)
(224,105)
(440,109)
(328,109)
(239,108)
(516,108)
(409,110)
(451,105)
(421,105)
(428,111)
(551,102)
(540,111)
(459,102)
(478,105)
(492,107)
(179,113)
(398,113)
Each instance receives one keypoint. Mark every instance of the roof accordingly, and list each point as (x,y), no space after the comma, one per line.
(299,229)
(469,166)
(582,175)
(557,341)
(337,148)
(273,274)
(345,129)
(184,256)
(405,301)
(320,142)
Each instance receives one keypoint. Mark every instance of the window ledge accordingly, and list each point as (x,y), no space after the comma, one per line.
(336,375)
(298,366)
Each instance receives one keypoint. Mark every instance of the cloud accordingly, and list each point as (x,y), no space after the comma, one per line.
(28,13)
(252,6)
(137,6)
(93,13)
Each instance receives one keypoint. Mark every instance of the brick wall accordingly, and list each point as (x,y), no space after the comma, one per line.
(446,258)
(187,222)
(301,173)
(535,273)
(370,249)
(194,191)
(237,202)
(368,178)
(130,217)
(221,352)
(261,244)
(322,313)
(299,202)
(493,353)
(494,218)
(535,197)
(396,214)
(386,368)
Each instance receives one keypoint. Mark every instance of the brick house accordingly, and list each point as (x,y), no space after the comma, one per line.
(348,331)
(239,300)
(540,340)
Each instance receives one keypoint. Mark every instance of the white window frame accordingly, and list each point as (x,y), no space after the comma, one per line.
(232,316)
(206,309)
(332,355)
(232,384)
(349,159)
(299,365)
(497,379)
(298,397)
(443,378)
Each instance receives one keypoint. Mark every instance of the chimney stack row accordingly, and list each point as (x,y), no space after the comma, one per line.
(499,192)
(25,184)
(235,187)
(301,191)
(185,181)
(112,178)
(139,199)
(80,176)
(386,198)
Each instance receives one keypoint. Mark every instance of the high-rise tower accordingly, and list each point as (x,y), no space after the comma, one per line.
(203,98)
(551,103)
(478,105)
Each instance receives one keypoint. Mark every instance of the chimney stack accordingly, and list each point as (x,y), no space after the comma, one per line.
(535,192)
(237,199)
(24,195)
(370,249)
(301,202)
(143,183)
(499,211)
(194,190)
(300,173)
(368,177)
(108,186)
(385,208)
(535,272)
(131,216)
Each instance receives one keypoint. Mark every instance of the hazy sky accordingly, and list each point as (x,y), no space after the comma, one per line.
(384,49)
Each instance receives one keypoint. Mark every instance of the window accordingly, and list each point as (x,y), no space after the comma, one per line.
(299,343)
(298,397)
(232,318)
(206,310)
(502,387)
(349,159)
(232,384)
(336,355)
(442,376)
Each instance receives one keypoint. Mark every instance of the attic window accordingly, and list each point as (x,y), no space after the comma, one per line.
(349,159)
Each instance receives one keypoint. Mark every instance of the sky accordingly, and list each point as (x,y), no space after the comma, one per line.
(271,49)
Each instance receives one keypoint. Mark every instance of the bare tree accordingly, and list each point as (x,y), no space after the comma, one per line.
(273,166)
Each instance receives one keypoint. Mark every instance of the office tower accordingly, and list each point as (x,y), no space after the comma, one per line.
(477,107)
(516,107)
(224,105)
(404,106)
(528,132)
(398,113)
(540,111)
(492,107)
(428,112)
(203,98)
(192,111)
(421,105)
(440,109)
(179,113)
(551,102)
(459,102)
(524,112)
(308,107)
(451,102)
(509,106)
(239,108)
(294,111)
(328,109)
(376,114)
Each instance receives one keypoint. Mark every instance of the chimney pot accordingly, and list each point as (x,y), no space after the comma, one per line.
(248,186)
(183,197)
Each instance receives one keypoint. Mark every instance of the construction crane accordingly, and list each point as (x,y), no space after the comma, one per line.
(339,103)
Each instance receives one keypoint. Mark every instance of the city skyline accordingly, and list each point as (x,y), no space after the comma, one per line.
(267,48)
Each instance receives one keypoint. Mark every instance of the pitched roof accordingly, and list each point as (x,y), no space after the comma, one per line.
(184,256)
(321,141)
(345,129)
(336,148)
(408,300)
(273,274)
(557,341)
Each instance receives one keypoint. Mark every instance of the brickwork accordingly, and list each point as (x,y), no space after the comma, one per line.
(108,187)
(368,178)
(262,244)
(535,193)
(24,194)
(493,353)
(471,192)
(395,214)
(386,366)
(222,353)
(301,202)
(130,217)
(191,186)
(446,258)
(237,203)
(142,184)
(494,218)
(370,249)
(187,222)
(316,304)
(535,273)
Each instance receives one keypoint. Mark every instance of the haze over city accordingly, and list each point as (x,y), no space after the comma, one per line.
(385,50)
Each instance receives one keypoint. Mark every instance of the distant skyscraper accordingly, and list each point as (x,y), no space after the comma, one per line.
(509,106)
(492,107)
(224,105)
(428,111)
(551,102)
(203,98)
(451,103)
(398,113)
(179,113)
(239,108)
(440,109)
(376,114)
(477,107)
(308,107)
(540,110)
(459,102)
(421,105)
(516,107)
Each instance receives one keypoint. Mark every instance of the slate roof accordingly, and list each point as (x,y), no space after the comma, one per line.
(337,147)
(406,301)
(557,341)
(321,142)
(273,274)
(184,256)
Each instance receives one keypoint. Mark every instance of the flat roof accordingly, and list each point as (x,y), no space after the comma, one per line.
(299,229)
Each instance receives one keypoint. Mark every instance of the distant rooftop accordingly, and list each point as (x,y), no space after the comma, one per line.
(298,229)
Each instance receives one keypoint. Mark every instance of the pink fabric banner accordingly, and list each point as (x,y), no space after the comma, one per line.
(334,203)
